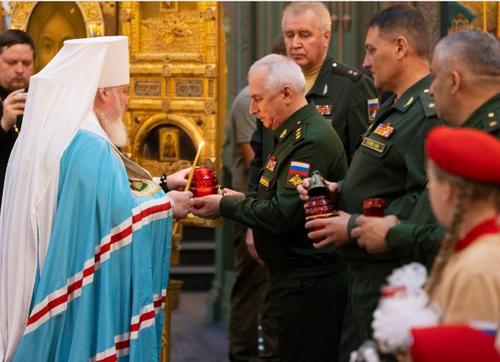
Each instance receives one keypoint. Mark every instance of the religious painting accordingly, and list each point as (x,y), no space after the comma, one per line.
(169,144)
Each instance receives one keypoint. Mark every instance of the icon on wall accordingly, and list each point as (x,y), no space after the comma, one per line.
(169,144)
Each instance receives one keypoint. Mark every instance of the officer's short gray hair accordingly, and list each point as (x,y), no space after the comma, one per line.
(319,9)
(477,50)
(280,71)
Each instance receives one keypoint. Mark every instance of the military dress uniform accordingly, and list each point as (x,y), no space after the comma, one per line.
(308,286)
(346,98)
(418,238)
(388,164)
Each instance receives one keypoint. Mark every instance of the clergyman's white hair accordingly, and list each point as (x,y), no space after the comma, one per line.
(280,71)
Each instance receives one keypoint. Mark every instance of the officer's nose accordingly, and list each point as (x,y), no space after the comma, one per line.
(253,109)
(366,62)
(296,42)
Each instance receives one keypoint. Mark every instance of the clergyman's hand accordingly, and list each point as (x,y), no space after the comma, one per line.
(178,180)
(181,201)
(206,207)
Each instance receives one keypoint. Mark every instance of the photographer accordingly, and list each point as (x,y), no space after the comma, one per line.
(17,51)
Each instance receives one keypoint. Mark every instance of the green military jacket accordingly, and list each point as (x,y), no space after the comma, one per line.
(342,95)
(304,142)
(389,162)
(346,98)
(418,238)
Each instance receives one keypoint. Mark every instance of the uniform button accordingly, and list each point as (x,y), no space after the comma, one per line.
(334,64)
(431,105)
(426,91)
(355,73)
(491,115)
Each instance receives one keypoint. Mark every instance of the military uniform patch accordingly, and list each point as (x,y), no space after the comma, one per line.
(264,181)
(373,107)
(296,172)
(271,163)
(294,181)
(384,129)
(325,109)
(373,145)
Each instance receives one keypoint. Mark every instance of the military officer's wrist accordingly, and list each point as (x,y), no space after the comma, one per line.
(351,224)
(228,205)
(399,236)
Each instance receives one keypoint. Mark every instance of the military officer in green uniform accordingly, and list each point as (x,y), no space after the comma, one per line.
(389,163)
(344,95)
(308,286)
(466,86)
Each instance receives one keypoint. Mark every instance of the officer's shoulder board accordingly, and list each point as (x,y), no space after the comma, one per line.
(346,71)
(300,130)
(491,122)
(428,103)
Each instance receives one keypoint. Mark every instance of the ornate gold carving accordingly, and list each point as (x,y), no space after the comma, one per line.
(210,70)
(91,11)
(124,15)
(21,11)
(210,13)
(146,69)
(184,57)
(199,70)
(165,106)
(168,6)
(172,32)
(189,88)
(144,104)
(147,88)
(210,107)
(186,106)
(211,88)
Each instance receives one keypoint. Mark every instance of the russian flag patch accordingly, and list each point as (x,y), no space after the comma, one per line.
(296,172)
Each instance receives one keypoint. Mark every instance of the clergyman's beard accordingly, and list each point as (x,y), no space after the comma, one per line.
(116,130)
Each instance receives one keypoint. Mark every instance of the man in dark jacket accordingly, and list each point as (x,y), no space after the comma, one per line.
(17,51)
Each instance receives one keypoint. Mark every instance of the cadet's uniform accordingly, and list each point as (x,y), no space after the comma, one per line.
(418,239)
(347,99)
(308,285)
(388,164)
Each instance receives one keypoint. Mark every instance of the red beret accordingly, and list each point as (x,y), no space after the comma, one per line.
(465,152)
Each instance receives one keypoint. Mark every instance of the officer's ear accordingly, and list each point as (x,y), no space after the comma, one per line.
(456,81)
(287,93)
(402,47)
